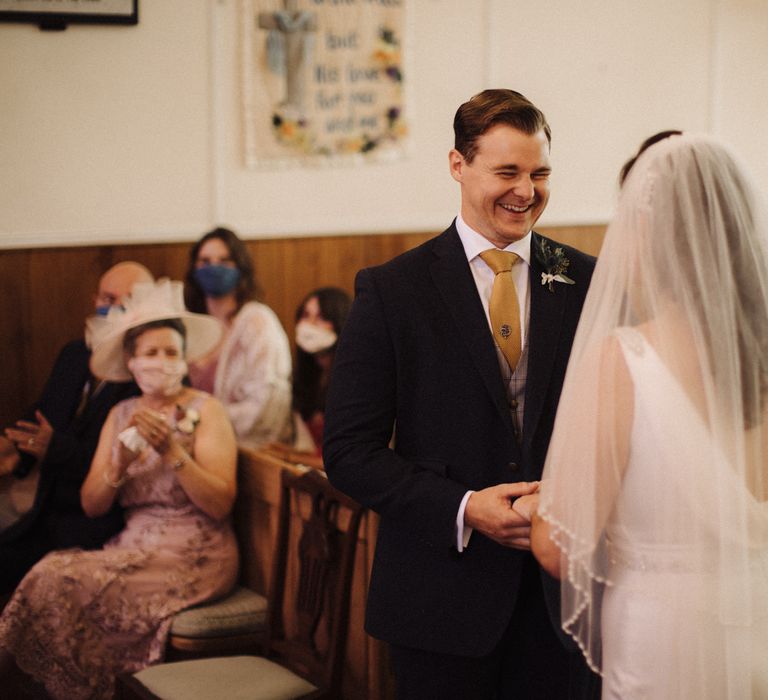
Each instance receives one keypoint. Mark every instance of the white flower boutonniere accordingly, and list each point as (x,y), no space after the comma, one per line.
(555,263)
(187,419)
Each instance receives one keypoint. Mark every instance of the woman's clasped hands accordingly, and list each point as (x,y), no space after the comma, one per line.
(153,426)
(148,428)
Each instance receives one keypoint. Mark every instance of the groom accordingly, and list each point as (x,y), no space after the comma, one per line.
(461,358)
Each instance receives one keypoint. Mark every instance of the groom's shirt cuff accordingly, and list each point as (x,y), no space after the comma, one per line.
(463,532)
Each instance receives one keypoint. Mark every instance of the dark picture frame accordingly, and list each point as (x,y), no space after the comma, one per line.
(57,14)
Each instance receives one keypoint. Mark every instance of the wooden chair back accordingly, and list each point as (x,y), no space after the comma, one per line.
(325,551)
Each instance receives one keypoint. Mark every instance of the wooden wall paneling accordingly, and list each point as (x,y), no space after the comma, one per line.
(163,260)
(586,238)
(288,269)
(45,294)
(281,268)
(58,296)
(16,339)
(345,255)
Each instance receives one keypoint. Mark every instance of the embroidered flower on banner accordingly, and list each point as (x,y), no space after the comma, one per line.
(292,132)
(387,54)
(555,264)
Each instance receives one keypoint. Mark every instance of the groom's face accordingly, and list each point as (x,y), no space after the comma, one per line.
(505,187)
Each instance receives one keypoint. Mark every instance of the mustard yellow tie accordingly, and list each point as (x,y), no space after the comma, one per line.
(504,307)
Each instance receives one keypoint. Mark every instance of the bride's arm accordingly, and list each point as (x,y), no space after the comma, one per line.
(544,549)
(614,418)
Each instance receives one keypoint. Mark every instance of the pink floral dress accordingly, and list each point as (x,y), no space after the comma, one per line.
(80,617)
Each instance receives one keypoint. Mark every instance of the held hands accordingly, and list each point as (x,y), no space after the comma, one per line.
(527,505)
(495,512)
(32,438)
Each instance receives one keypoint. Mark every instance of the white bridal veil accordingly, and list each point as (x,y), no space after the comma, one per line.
(655,483)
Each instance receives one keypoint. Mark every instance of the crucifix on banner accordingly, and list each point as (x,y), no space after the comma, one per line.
(289,48)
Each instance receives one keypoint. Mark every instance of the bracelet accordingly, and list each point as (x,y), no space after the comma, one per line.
(113,484)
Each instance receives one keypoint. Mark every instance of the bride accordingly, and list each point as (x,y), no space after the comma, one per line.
(653,508)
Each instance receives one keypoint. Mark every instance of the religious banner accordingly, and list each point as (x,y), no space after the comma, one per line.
(322,80)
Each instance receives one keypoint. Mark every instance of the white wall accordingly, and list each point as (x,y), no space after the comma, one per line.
(112,134)
(104,130)
(740,77)
(607,75)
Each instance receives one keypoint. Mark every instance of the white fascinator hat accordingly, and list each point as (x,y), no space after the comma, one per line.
(149,301)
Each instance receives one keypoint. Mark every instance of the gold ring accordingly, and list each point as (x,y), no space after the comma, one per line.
(31,441)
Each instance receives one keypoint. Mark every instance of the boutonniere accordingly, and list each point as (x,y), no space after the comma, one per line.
(555,264)
(187,419)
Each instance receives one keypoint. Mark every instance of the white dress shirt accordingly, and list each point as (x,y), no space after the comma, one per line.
(474,244)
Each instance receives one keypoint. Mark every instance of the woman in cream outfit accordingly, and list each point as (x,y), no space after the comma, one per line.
(250,370)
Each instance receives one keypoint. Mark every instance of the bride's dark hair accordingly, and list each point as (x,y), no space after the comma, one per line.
(660,136)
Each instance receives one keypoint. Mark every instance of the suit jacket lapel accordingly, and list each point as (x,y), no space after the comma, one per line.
(453,278)
(546,316)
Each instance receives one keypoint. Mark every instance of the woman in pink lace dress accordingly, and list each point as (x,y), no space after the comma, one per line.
(80,617)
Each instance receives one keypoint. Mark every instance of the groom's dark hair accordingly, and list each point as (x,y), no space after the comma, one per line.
(491,107)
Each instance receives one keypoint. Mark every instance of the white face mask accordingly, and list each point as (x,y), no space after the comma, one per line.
(313,339)
(158,376)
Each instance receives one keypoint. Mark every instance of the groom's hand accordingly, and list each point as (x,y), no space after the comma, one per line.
(490,511)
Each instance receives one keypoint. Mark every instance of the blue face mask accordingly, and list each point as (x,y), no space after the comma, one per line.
(217,280)
(103,310)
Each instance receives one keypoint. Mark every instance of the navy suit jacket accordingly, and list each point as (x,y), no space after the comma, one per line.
(62,472)
(417,357)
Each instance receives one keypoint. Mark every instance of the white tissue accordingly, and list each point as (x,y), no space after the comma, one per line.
(132,440)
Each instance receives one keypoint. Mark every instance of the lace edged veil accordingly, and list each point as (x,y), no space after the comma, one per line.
(683,274)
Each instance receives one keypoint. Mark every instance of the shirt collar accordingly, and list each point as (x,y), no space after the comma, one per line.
(475,243)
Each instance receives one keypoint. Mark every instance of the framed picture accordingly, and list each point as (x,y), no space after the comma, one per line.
(57,14)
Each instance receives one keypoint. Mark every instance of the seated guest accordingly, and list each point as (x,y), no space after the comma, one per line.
(54,445)
(319,320)
(168,456)
(250,370)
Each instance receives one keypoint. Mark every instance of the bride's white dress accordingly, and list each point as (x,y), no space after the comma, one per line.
(672,626)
